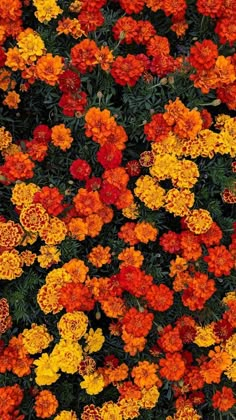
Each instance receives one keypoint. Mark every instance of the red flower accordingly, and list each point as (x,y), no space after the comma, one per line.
(42,133)
(224,399)
(109,193)
(137,323)
(162,64)
(83,55)
(76,297)
(90,20)
(51,200)
(134,6)
(127,70)
(125,28)
(170,242)
(210,8)
(93,183)
(133,168)
(3,57)
(157,130)
(73,104)
(69,82)
(109,156)
(223,329)
(206,119)
(80,169)
(160,298)
(203,55)
(219,260)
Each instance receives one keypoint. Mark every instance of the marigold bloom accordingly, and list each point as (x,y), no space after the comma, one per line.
(170,340)
(45,374)
(11,234)
(127,70)
(157,129)
(73,325)
(199,221)
(83,55)
(45,404)
(224,399)
(48,68)
(205,336)
(10,265)
(94,340)
(179,202)
(212,236)
(145,232)
(77,270)
(203,55)
(11,397)
(100,255)
(170,242)
(87,202)
(190,244)
(66,356)
(5,318)
(5,138)
(144,374)
(172,367)
(93,383)
(114,307)
(137,323)
(51,200)
(12,100)
(90,411)
(34,217)
(178,266)
(31,45)
(36,339)
(78,228)
(220,261)
(125,29)
(18,167)
(148,190)
(48,256)
(160,298)
(76,297)
(54,232)
(109,156)
(130,257)
(66,415)
(61,137)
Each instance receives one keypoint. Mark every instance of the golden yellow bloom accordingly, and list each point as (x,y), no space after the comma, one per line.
(129,409)
(31,45)
(5,138)
(46,10)
(75,6)
(58,277)
(231,372)
(110,410)
(36,339)
(199,221)
(164,166)
(73,325)
(12,99)
(66,356)
(131,212)
(10,265)
(93,384)
(94,340)
(28,257)
(229,296)
(48,298)
(45,374)
(230,346)
(179,202)
(23,194)
(54,233)
(49,255)
(66,415)
(187,174)
(149,397)
(149,191)
(185,412)
(205,336)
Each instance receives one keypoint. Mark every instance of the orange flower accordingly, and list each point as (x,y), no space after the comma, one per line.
(127,70)
(94,223)
(178,266)
(128,234)
(170,340)
(134,6)
(158,44)
(113,307)
(78,228)
(130,256)
(18,167)
(212,236)
(191,248)
(83,55)
(45,404)
(12,99)
(137,323)
(220,261)
(145,232)
(117,177)
(77,270)
(87,202)
(203,55)
(61,136)
(224,399)
(49,68)
(100,255)
(172,367)
(144,374)
(99,125)
(105,58)
(160,298)
(76,297)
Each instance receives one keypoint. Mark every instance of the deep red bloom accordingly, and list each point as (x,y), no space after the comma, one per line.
(69,81)
(73,104)
(42,133)
(90,20)
(109,156)
(162,64)
(157,129)
(203,54)
(2,57)
(133,168)
(223,329)
(109,193)
(170,242)
(94,183)
(80,169)
(76,297)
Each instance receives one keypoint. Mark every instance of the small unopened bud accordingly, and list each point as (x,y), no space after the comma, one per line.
(195,38)
(99,95)
(70,182)
(51,185)
(122,35)
(171,80)
(163,81)
(152,111)
(216,102)
(68,192)
(98,315)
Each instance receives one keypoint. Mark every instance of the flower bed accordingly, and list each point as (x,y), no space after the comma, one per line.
(117,224)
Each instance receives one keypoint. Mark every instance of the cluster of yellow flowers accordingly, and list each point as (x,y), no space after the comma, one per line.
(46,10)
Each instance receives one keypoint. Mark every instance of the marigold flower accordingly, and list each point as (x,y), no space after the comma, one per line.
(130,256)
(157,129)
(5,318)
(179,202)
(100,255)
(160,298)
(73,325)
(172,366)
(83,55)
(5,138)
(12,100)
(45,404)
(36,339)
(46,10)
(224,399)
(199,221)
(205,336)
(144,374)
(114,307)
(150,396)
(23,194)
(31,45)
(78,228)
(87,202)
(61,137)
(34,217)
(109,156)
(76,296)
(220,261)
(10,265)
(51,200)
(137,323)
(203,55)
(66,415)
(54,232)
(48,256)
(18,167)
(66,356)
(170,242)
(11,234)
(45,374)
(148,190)
(90,411)
(127,70)
(92,383)
(94,340)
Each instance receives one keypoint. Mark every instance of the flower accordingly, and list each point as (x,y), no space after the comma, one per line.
(144,374)
(49,68)
(172,366)
(73,325)
(100,255)
(10,265)
(61,137)
(36,339)
(80,169)
(127,70)
(83,55)
(11,234)
(203,55)
(12,100)
(45,373)
(94,340)
(51,200)
(48,256)
(45,404)
(66,356)
(18,167)
(34,217)
(219,261)
(92,383)
(224,399)
(160,298)
(66,415)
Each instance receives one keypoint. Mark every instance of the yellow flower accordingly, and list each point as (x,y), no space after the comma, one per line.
(231,372)
(205,336)
(66,356)
(131,212)
(94,340)
(179,201)
(48,298)
(186,175)
(46,10)
(229,296)
(165,166)
(129,409)
(93,384)
(36,339)
(73,325)
(66,415)
(30,44)
(5,138)
(55,232)
(49,255)
(45,374)
(149,397)
(23,194)
(10,265)
(199,221)
(110,410)
(230,346)
(58,277)
(149,191)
